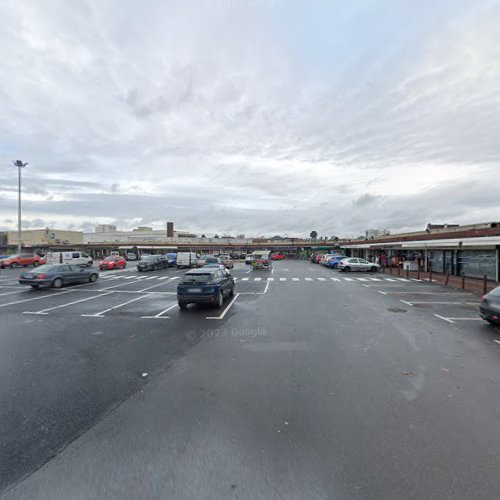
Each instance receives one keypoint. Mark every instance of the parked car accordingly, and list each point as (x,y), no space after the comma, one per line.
(226,260)
(76,258)
(313,257)
(262,259)
(334,261)
(277,256)
(248,259)
(206,259)
(355,264)
(131,256)
(489,309)
(22,260)
(318,258)
(152,263)
(57,275)
(208,285)
(171,258)
(112,262)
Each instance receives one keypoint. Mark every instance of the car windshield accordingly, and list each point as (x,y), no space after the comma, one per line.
(197,278)
(112,257)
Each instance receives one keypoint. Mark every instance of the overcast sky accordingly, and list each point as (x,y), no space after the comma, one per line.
(251,116)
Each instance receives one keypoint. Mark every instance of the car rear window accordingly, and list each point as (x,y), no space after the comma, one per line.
(197,278)
(495,292)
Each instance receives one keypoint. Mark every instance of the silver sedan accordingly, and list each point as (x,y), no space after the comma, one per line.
(356,264)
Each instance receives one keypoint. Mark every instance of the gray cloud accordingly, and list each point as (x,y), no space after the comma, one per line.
(262,119)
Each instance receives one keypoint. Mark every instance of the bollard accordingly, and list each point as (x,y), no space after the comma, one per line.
(418,273)
(447,280)
(430,275)
(485,285)
(463,281)
(399,271)
(407,272)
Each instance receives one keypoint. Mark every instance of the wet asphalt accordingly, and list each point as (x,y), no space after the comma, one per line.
(311,384)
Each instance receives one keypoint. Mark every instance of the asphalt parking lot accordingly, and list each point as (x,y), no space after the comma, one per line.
(310,383)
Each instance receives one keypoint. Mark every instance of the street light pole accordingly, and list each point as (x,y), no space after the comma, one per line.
(19,164)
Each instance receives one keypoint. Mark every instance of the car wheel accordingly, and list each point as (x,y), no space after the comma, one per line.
(14,265)
(220,301)
(374,269)
(36,263)
(34,286)
(124,265)
(182,305)
(92,278)
(347,269)
(155,267)
(57,283)
(231,292)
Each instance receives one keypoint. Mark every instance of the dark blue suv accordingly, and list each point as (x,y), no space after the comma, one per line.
(206,285)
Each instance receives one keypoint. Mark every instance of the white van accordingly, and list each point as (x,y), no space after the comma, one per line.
(77,258)
(187,259)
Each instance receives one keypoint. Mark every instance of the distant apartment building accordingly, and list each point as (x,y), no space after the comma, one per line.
(44,237)
(105,228)
(372,234)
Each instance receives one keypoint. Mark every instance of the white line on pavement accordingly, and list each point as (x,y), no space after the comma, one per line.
(102,313)
(10,293)
(380,291)
(227,308)
(321,279)
(270,279)
(265,290)
(447,303)
(443,318)
(389,279)
(160,315)
(362,279)
(375,279)
(282,279)
(35,298)
(257,279)
(45,311)
(335,279)
(245,279)
(407,303)
(348,279)
(295,279)
(163,278)
(308,279)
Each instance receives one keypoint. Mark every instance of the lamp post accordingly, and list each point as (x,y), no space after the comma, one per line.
(20,165)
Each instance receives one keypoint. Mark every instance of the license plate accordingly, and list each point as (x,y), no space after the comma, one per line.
(29,275)
(194,290)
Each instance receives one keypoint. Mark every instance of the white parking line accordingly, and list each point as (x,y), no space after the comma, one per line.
(270,279)
(281,279)
(160,315)
(245,279)
(150,287)
(443,318)
(227,308)
(35,298)
(321,279)
(163,278)
(175,278)
(348,279)
(46,311)
(295,279)
(10,293)
(362,279)
(389,279)
(383,293)
(257,279)
(151,278)
(308,279)
(443,303)
(375,279)
(102,313)
(335,279)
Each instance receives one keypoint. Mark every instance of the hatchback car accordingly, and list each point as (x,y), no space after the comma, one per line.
(112,262)
(334,261)
(208,285)
(489,309)
(57,275)
(277,256)
(22,260)
(152,263)
(355,264)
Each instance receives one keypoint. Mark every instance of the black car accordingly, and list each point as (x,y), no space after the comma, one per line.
(58,275)
(489,308)
(207,285)
(152,263)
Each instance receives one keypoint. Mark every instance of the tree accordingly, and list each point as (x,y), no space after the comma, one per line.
(203,236)
(216,236)
(313,235)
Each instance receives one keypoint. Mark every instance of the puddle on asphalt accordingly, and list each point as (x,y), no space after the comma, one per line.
(396,310)
(423,306)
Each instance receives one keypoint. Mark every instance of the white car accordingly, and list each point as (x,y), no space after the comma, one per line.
(356,264)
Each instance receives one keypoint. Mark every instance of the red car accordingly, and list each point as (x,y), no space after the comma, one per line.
(112,262)
(277,256)
(22,260)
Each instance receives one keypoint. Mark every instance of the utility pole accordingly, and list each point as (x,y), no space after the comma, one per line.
(20,165)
